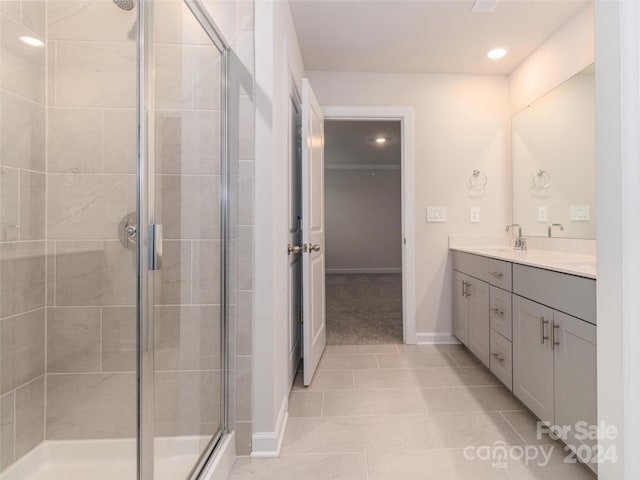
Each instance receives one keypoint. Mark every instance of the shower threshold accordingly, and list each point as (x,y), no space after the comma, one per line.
(105,459)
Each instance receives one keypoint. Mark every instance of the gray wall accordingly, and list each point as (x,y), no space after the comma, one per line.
(363,220)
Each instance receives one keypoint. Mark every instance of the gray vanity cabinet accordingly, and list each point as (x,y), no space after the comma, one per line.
(471,314)
(532,357)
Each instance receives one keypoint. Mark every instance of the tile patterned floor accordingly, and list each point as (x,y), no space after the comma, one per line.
(403,412)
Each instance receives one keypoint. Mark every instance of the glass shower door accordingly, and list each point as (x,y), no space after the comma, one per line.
(187,175)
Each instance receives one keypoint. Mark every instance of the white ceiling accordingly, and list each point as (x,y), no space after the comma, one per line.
(350,142)
(423,36)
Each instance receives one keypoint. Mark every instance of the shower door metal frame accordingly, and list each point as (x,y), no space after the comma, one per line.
(145,254)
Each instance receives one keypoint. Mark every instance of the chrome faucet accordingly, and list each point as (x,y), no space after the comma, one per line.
(554,225)
(521,243)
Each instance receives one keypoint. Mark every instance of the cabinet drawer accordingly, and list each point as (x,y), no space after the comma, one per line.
(501,359)
(500,274)
(474,265)
(570,294)
(500,311)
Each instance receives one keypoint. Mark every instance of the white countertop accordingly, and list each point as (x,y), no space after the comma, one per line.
(571,263)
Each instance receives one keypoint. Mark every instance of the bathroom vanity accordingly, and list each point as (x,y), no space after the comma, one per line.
(530,317)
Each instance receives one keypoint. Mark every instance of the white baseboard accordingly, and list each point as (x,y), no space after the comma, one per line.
(435,338)
(268,444)
(221,464)
(362,270)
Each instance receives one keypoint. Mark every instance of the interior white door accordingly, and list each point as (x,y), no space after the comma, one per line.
(313,261)
(294,238)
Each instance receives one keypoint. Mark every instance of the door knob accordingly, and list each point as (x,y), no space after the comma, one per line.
(293,249)
(315,248)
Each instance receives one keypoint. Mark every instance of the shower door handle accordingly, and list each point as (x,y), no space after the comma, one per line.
(155,246)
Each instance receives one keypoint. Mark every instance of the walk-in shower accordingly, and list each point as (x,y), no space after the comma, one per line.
(113,239)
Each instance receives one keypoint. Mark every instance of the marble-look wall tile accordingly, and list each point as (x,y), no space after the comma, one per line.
(244,432)
(206,278)
(95,74)
(29,416)
(189,206)
(81,406)
(173,77)
(187,403)
(7,429)
(187,338)
(11,8)
(207,73)
(94,273)
(90,20)
(246,149)
(78,273)
(119,142)
(244,324)
(23,66)
(244,16)
(22,343)
(243,388)
(175,24)
(9,207)
(245,258)
(173,283)
(74,140)
(88,206)
(22,129)
(224,13)
(188,141)
(32,205)
(119,341)
(22,277)
(73,339)
(245,193)
(34,16)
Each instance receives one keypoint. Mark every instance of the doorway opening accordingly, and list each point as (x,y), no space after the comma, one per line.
(363,216)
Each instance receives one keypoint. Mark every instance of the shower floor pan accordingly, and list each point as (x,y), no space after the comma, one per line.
(105,459)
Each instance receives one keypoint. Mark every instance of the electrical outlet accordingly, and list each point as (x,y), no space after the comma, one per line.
(436,214)
(474,214)
(543,213)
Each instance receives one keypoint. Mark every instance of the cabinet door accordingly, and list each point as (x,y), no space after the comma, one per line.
(532,357)
(478,294)
(460,307)
(575,375)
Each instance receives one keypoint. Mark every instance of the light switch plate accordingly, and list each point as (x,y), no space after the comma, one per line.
(436,214)
(474,214)
(543,213)
(580,213)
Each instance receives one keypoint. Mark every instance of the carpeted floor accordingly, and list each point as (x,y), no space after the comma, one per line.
(364,309)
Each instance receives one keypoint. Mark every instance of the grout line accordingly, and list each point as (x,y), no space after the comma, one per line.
(513,428)
(366,464)
(322,405)
(456,364)
(377,361)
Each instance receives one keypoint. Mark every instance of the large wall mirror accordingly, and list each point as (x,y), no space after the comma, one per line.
(554,161)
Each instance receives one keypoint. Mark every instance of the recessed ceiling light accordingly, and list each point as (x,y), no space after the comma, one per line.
(497,53)
(381,140)
(34,42)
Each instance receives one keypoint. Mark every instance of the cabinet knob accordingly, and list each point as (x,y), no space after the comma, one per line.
(498,312)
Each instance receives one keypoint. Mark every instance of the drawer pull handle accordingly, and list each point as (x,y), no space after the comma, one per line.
(554,343)
(498,357)
(498,312)
(543,337)
(496,274)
